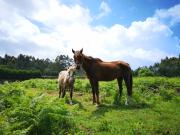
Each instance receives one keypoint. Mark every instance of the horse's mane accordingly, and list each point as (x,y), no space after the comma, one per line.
(94,59)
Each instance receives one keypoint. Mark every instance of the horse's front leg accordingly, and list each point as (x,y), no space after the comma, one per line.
(96,87)
(93,91)
(71,94)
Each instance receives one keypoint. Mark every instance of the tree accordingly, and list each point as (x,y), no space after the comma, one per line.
(45,66)
(145,71)
(167,67)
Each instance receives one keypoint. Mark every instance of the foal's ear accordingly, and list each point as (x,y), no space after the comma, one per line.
(73,51)
(81,50)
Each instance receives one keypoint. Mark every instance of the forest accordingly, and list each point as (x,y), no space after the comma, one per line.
(25,67)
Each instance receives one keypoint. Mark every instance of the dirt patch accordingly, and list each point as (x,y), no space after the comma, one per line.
(52,93)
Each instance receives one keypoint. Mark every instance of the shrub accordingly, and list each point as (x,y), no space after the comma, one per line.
(16,74)
(145,72)
(23,114)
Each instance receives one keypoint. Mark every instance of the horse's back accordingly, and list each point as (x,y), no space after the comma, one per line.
(113,65)
(123,65)
(107,71)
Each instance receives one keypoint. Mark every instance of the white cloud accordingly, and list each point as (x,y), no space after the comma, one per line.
(104,10)
(56,14)
(142,43)
(173,14)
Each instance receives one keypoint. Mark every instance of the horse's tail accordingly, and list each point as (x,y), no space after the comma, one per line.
(131,81)
(128,80)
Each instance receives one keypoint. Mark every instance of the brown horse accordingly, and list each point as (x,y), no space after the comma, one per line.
(98,70)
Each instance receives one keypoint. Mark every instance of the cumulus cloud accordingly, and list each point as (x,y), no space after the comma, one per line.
(171,15)
(47,28)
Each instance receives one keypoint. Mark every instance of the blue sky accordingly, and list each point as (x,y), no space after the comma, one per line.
(125,12)
(140,32)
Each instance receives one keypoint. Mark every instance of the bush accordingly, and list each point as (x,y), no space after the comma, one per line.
(145,72)
(54,120)
(15,74)
(24,114)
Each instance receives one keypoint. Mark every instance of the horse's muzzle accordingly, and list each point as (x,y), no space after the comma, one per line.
(78,67)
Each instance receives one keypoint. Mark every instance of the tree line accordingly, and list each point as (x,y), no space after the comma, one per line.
(169,67)
(25,67)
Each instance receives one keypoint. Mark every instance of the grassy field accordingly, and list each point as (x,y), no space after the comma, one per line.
(33,107)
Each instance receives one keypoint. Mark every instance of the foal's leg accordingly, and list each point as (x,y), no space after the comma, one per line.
(93,90)
(60,89)
(64,91)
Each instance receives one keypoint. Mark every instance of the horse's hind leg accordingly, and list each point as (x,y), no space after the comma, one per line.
(120,79)
(128,82)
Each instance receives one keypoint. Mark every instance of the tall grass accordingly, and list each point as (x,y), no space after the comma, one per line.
(33,107)
(26,110)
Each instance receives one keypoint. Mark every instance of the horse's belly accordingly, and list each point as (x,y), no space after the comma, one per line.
(107,78)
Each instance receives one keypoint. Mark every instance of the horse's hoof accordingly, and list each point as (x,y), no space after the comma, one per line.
(70,102)
(94,103)
(126,103)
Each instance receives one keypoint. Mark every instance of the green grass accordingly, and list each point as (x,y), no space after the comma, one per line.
(33,107)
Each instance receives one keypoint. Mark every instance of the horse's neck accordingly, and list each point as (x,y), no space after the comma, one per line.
(87,63)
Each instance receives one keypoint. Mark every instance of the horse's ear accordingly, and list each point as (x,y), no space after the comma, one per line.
(73,51)
(81,50)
